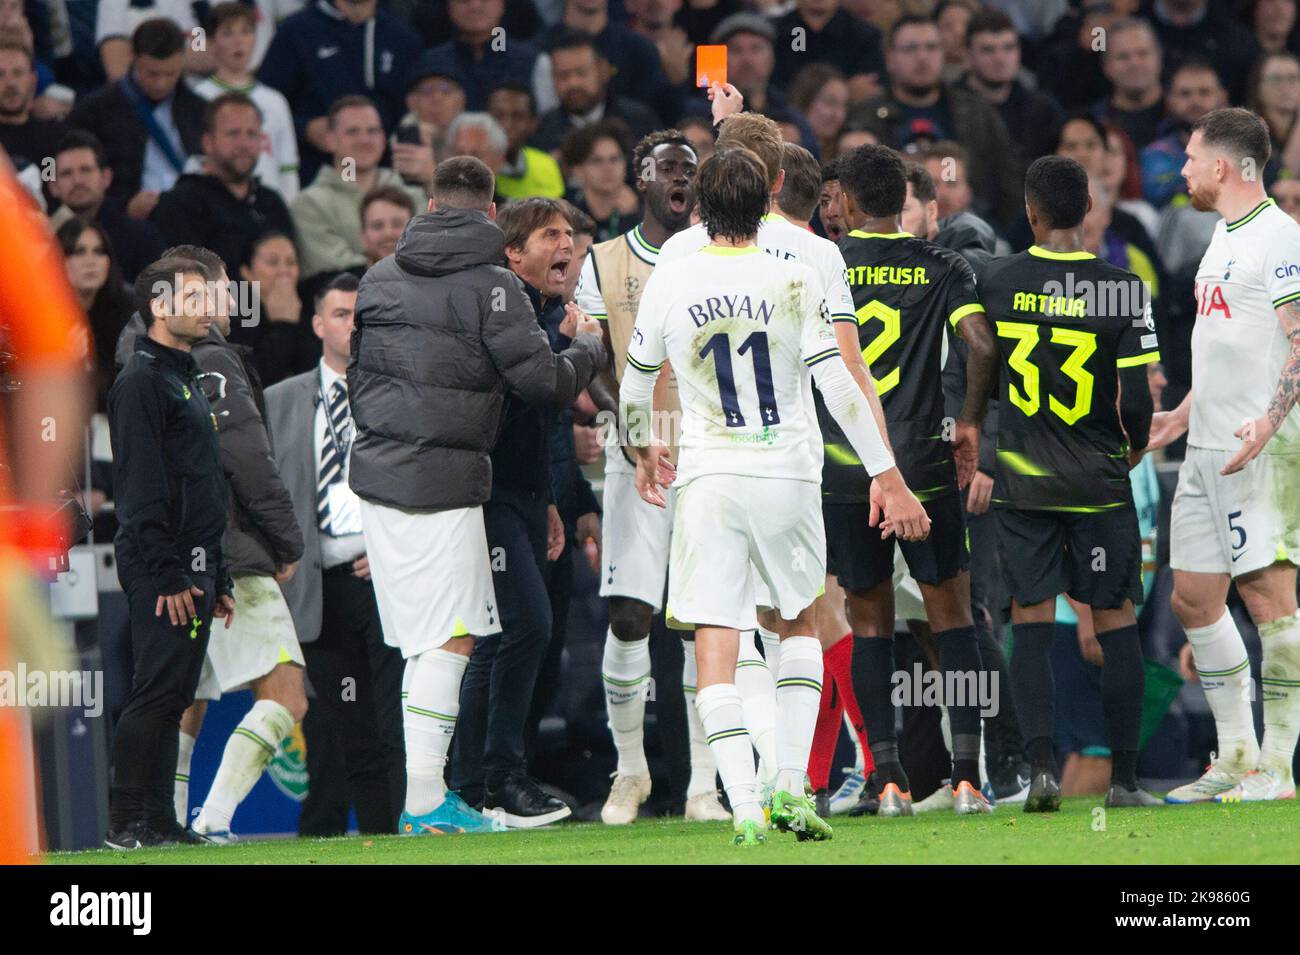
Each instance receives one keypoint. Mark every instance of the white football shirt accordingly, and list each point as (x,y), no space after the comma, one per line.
(742,332)
(781,238)
(1238,348)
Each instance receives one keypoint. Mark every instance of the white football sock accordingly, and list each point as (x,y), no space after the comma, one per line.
(1280,685)
(625,673)
(704,768)
(798,697)
(758,695)
(251,745)
(723,717)
(429,719)
(1224,670)
(859,763)
(184,754)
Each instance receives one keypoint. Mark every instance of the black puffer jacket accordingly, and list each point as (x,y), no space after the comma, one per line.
(442,332)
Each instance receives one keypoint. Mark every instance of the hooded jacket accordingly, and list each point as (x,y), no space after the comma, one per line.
(261,530)
(442,331)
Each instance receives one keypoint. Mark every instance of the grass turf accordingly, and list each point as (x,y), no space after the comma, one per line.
(1203,834)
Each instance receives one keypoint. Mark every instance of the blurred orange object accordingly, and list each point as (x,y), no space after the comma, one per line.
(47,334)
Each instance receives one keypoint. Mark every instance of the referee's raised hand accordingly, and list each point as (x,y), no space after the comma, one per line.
(180,606)
(726,100)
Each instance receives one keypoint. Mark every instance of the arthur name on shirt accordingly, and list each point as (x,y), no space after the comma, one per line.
(1041,304)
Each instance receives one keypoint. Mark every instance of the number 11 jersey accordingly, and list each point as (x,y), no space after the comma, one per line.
(742,330)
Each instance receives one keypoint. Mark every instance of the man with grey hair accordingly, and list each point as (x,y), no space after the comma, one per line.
(480,136)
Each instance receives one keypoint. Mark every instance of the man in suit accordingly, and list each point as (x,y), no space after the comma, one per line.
(357,679)
(148,121)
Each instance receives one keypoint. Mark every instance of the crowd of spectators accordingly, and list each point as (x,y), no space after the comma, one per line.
(297,139)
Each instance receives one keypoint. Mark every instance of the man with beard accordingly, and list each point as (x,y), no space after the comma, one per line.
(81,180)
(224,208)
(1233,517)
(635,534)
(581,76)
(23,136)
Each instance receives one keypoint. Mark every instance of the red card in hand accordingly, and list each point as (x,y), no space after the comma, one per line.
(710,65)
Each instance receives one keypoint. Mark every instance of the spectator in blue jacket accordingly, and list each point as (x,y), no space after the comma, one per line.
(482,53)
(329,50)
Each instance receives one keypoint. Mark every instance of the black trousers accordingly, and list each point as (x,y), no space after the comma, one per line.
(497,691)
(559,590)
(168,661)
(358,684)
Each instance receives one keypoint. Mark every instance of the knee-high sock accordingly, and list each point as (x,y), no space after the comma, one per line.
(798,697)
(625,673)
(838,661)
(1281,689)
(1224,671)
(959,659)
(432,684)
(830,714)
(758,696)
(704,768)
(723,717)
(873,669)
(251,745)
(1031,683)
(1122,682)
(184,753)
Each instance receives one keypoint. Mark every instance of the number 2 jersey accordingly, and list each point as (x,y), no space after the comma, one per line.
(906,292)
(742,331)
(1066,322)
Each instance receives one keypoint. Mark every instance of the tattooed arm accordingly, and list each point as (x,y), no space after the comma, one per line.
(1255,434)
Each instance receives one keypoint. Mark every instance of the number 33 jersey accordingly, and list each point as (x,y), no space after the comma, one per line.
(742,330)
(1066,322)
(906,291)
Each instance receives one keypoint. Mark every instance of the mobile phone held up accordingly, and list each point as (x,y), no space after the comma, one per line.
(710,66)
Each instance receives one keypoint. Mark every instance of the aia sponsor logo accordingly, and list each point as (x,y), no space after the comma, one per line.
(1210,299)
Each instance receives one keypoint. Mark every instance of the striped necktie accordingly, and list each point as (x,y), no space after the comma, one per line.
(332,456)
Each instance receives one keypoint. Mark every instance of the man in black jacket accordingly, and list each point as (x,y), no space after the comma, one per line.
(442,332)
(225,208)
(171,508)
(524,533)
(919,107)
(262,546)
(149,121)
(581,76)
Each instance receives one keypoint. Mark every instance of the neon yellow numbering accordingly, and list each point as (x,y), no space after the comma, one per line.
(1028,398)
(890,319)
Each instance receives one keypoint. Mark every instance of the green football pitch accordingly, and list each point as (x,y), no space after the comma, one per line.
(1081,833)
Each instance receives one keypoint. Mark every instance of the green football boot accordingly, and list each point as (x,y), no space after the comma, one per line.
(749,834)
(797,814)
